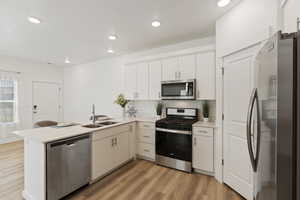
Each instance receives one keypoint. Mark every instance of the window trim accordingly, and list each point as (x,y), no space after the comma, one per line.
(15,105)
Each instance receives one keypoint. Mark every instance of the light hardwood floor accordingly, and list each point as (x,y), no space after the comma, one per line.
(138,180)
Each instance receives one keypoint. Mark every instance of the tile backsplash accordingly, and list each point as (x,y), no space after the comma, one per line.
(148,108)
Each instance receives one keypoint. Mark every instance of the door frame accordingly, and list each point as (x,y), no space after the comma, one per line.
(60,98)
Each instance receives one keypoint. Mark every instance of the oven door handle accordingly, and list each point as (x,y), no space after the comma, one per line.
(174,131)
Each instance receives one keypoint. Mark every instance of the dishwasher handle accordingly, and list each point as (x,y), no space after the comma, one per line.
(69,142)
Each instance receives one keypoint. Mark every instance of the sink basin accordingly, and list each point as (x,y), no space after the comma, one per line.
(92,126)
(107,123)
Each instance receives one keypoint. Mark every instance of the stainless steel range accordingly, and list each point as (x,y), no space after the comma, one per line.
(174,138)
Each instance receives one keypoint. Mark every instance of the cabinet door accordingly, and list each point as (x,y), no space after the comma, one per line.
(206,72)
(121,149)
(130,81)
(187,67)
(203,156)
(142,83)
(154,80)
(102,161)
(170,68)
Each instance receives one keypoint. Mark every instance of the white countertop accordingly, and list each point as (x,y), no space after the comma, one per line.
(205,124)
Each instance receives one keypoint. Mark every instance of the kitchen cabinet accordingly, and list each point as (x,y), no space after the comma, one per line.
(155,73)
(102,161)
(290,14)
(130,81)
(110,149)
(146,140)
(179,68)
(170,67)
(206,75)
(136,81)
(187,67)
(142,81)
(203,149)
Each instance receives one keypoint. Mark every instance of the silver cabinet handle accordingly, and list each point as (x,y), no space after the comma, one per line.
(179,75)
(200,131)
(146,150)
(146,126)
(146,136)
(298,23)
(112,142)
(159,95)
(195,141)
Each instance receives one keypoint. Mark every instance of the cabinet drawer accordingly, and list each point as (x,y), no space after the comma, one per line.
(146,150)
(146,135)
(208,132)
(146,125)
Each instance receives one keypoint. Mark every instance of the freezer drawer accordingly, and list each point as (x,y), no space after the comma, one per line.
(68,166)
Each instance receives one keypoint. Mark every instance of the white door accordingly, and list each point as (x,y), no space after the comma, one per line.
(142,83)
(46,101)
(170,69)
(187,67)
(206,75)
(102,160)
(154,80)
(130,81)
(238,84)
(121,153)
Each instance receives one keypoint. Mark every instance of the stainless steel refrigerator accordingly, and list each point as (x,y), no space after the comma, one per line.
(274,119)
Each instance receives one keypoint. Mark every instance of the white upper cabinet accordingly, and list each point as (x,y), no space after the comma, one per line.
(170,68)
(142,81)
(290,14)
(155,73)
(179,68)
(136,81)
(130,81)
(206,75)
(187,67)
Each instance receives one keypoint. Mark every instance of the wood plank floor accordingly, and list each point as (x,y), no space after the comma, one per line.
(11,171)
(138,180)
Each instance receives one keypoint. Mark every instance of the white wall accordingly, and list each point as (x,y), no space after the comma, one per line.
(100,82)
(96,83)
(249,22)
(291,10)
(30,71)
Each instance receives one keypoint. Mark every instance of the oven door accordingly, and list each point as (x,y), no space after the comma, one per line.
(174,144)
(178,89)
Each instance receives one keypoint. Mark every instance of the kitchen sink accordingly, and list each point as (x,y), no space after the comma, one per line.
(92,126)
(107,123)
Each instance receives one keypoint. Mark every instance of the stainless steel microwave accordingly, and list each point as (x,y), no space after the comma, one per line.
(179,89)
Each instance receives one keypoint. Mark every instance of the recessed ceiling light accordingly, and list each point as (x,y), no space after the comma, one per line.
(67,61)
(34,20)
(112,37)
(223,3)
(155,23)
(110,51)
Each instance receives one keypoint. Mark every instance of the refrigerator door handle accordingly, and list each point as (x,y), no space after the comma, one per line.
(249,124)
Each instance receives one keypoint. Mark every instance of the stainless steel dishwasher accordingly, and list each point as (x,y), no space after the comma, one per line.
(68,166)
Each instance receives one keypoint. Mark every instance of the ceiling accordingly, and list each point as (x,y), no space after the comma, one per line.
(78,29)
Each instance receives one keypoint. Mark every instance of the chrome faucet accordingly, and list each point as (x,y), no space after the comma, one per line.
(93,112)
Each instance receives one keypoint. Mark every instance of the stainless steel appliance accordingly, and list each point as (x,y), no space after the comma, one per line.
(174,138)
(68,166)
(274,120)
(179,89)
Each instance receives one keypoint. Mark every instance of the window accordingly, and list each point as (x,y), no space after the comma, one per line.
(8,101)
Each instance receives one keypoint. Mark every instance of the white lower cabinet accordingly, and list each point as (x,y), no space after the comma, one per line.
(110,148)
(146,140)
(203,149)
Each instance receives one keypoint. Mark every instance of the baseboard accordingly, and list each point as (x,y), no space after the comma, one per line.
(199,171)
(144,158)
(10,140)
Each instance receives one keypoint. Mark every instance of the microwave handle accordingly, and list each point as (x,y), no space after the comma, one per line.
(186,88)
